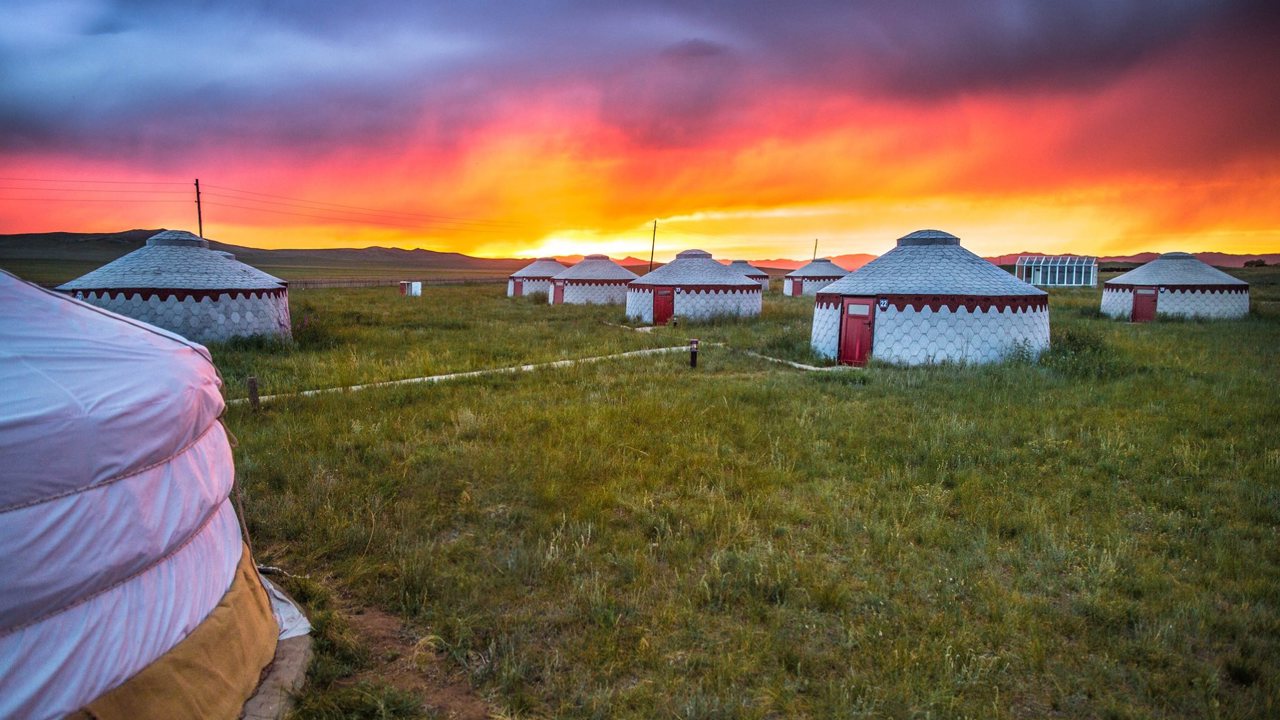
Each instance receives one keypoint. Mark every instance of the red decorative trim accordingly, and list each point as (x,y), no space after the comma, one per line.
(816,278)
(698,288)
(1000,303)
(1228,289)
(529,278)
(179,294)
(571,282)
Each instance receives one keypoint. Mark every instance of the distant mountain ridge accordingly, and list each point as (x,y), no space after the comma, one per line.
(105,247)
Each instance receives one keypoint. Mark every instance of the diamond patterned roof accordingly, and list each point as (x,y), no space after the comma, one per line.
(747,269)
(930,264)
(179,260)
(695,267)
(597,267)
(821,267)
(1176,268)
(540,268)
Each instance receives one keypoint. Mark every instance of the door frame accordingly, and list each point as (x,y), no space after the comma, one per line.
(869,323)
(671,307)
(797,286)
(1147,315)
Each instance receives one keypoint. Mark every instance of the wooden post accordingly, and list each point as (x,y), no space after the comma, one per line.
(199,213)
(253,393)
(693,352)
(815,248)
(653,243)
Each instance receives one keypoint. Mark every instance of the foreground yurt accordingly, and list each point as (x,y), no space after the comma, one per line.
(752,272)
(1176,284)
(126,588)
(596,280)
(176,282)
(692,287)
(811,278)
(929,300)
(533,278)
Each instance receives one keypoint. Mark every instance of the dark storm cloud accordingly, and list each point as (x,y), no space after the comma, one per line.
(157,77)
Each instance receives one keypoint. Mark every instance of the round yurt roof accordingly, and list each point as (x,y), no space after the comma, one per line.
(820,268)
(597,267)
(930,262)
(540,268)
(747,269)
(1176,268)
(175,259)
(695,267)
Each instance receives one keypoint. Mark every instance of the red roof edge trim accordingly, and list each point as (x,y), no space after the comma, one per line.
(973,303)
(571,283)
(1228,289)
(177,293)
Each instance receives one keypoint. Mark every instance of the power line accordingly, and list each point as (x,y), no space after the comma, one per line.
(96,190)
(359,214)
(342,219)
(357,207)
(98,182)
(65,199)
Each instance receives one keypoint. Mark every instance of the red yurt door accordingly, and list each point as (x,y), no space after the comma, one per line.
(1144,304)
(797,287)
(856,319)
(517,288)
(664,305)
(557,292)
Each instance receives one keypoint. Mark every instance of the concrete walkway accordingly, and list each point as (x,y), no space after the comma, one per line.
(460,375)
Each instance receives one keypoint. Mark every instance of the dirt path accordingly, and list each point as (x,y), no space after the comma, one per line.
(401,660)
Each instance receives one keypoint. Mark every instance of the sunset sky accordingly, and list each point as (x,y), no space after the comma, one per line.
(745,128)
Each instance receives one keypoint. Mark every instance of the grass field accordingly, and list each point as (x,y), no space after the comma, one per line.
(1092,535)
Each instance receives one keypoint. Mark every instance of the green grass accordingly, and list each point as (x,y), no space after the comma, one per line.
(1092,535)
(350,336)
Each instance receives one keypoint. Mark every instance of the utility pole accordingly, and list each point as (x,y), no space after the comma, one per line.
(815,248)
(653,244)
(199,214)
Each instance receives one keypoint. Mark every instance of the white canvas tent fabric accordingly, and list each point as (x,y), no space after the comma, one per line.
(118,533)
(176,282)
(1185,287)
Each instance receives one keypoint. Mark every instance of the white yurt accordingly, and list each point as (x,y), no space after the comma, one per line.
(692,287)
(596,280)
(533,278)
(752,272)
(929,300)
(176,282)
(128,591)
(811,278)
(1175,284)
